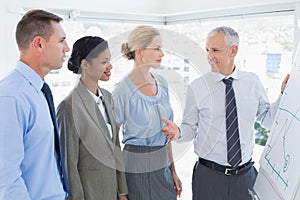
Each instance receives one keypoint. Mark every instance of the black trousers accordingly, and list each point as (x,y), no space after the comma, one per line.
(208,184)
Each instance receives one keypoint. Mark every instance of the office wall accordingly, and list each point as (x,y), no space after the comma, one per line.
(1,40)
(296,27)
(9,16)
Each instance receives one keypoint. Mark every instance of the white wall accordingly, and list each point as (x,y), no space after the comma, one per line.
(297,27)
(9,16)
(1,40)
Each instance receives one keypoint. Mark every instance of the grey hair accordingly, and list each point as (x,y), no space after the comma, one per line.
(231,36)
(141,37)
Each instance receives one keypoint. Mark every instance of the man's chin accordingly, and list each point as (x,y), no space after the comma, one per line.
(214,69)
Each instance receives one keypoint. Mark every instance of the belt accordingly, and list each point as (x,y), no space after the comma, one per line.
(227,170)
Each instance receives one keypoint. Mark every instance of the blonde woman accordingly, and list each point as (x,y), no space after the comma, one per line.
(141,99)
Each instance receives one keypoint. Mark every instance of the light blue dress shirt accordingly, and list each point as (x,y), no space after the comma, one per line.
(204,115)
(28,167)
(140,115)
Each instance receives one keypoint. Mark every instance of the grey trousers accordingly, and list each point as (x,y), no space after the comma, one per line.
(208,184)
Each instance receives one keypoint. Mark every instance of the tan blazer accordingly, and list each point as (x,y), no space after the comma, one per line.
(93,159)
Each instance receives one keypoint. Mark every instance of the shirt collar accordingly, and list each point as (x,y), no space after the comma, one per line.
(31,76)
(96,98)
(234,75)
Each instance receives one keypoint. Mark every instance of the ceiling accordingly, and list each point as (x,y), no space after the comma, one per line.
(149,7)
(153,11)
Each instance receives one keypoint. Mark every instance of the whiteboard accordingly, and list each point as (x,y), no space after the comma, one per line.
(279,173)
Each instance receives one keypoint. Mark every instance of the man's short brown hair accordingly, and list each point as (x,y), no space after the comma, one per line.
(35,23)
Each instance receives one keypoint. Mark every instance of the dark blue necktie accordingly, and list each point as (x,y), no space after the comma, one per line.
(47,92)
(234,156)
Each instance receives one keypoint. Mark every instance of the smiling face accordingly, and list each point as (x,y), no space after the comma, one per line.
(152,54)
(99,67)
(220,56)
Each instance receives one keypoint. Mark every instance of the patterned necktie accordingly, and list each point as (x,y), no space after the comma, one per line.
(234,156)
(47,92)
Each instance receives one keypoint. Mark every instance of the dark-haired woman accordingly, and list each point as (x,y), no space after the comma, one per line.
(89,137)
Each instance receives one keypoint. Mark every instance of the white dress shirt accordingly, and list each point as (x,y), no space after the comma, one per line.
(98,100)
(204,119)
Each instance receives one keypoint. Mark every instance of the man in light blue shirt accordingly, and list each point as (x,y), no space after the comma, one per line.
(29,168)
(212,121)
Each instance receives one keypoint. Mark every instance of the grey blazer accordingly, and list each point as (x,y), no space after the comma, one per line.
(92,157)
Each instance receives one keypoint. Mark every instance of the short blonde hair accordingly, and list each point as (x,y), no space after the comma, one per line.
(141,36)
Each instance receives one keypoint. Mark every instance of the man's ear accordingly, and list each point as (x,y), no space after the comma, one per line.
(234,50)
(38,43)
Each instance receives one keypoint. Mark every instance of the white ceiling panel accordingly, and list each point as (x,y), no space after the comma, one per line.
(148,7)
